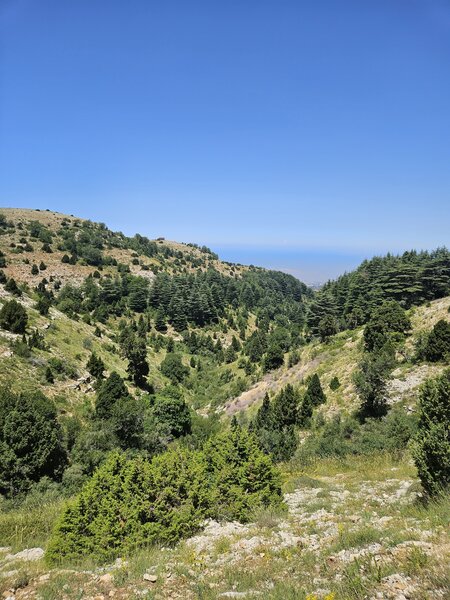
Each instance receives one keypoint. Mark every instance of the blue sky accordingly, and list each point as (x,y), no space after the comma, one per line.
(309,134)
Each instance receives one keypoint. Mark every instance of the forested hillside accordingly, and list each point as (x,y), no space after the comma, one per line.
(410,279)
(150,391)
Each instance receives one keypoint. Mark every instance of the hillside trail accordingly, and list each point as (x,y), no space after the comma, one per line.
(272,382)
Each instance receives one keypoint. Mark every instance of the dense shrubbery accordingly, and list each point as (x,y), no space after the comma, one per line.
(240,476)
(343,436)
(435,345)
(275,422)
(132,502)
(432,447)
(31,441)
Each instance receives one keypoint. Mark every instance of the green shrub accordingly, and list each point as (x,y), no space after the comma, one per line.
(242,478)
(12,287)
(339,437)
(133,502)
(172,367)
(129,503)
(335,384)
(174,413)
(432,444)
(438,342)
(31,441)
(13,317)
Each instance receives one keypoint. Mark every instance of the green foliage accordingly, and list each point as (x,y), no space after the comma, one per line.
(322,316)
(314,396)
(95,366)
(132,502)
(134,350)
(285,407)
(370,382)
(31,443)
(241,477)
(344,436)
(410,279)
(274,424)
(110,391)
(388,323)
(129,503)
(436,345)
(12,288)
(174,413)
(43,304)
(274,357)
(432,447)
(127,419)
(172,367)
(328,326)
(13,317)
(335,384)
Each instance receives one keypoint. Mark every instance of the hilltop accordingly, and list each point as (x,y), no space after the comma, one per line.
(92,245)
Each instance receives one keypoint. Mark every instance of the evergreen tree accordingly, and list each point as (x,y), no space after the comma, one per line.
(11,287)
(134,350)
(95,366)
(31,441)
(432,447)
(264,417)
(111,390)
(160,321)
(314,394)
(13,317)
(370,382)
(327,327)
(174,413)
(285,407)
(438,343)
(273,358)
(172,367)
(389,322)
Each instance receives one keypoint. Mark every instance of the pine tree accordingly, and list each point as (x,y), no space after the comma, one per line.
(438,343)
(95,366)
(264,416)
(285,407)
(432,447)
(13,317)
(370,382)
(314,393)
(111,390)
(12,288)
(160,320)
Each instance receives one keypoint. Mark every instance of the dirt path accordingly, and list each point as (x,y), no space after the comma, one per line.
(272,382)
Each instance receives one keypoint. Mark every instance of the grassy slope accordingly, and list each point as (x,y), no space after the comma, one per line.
(339,358)
(72,341)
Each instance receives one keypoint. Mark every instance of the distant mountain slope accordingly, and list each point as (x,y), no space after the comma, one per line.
(82,284)
(411,279)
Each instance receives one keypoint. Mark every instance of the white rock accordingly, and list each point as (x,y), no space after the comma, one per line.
(27,554)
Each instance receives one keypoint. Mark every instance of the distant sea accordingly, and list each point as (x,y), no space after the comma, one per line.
(313,267)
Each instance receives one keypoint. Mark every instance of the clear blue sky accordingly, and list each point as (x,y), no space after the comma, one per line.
(279,129)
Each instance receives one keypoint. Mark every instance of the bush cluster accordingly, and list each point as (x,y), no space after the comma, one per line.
(132,502)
